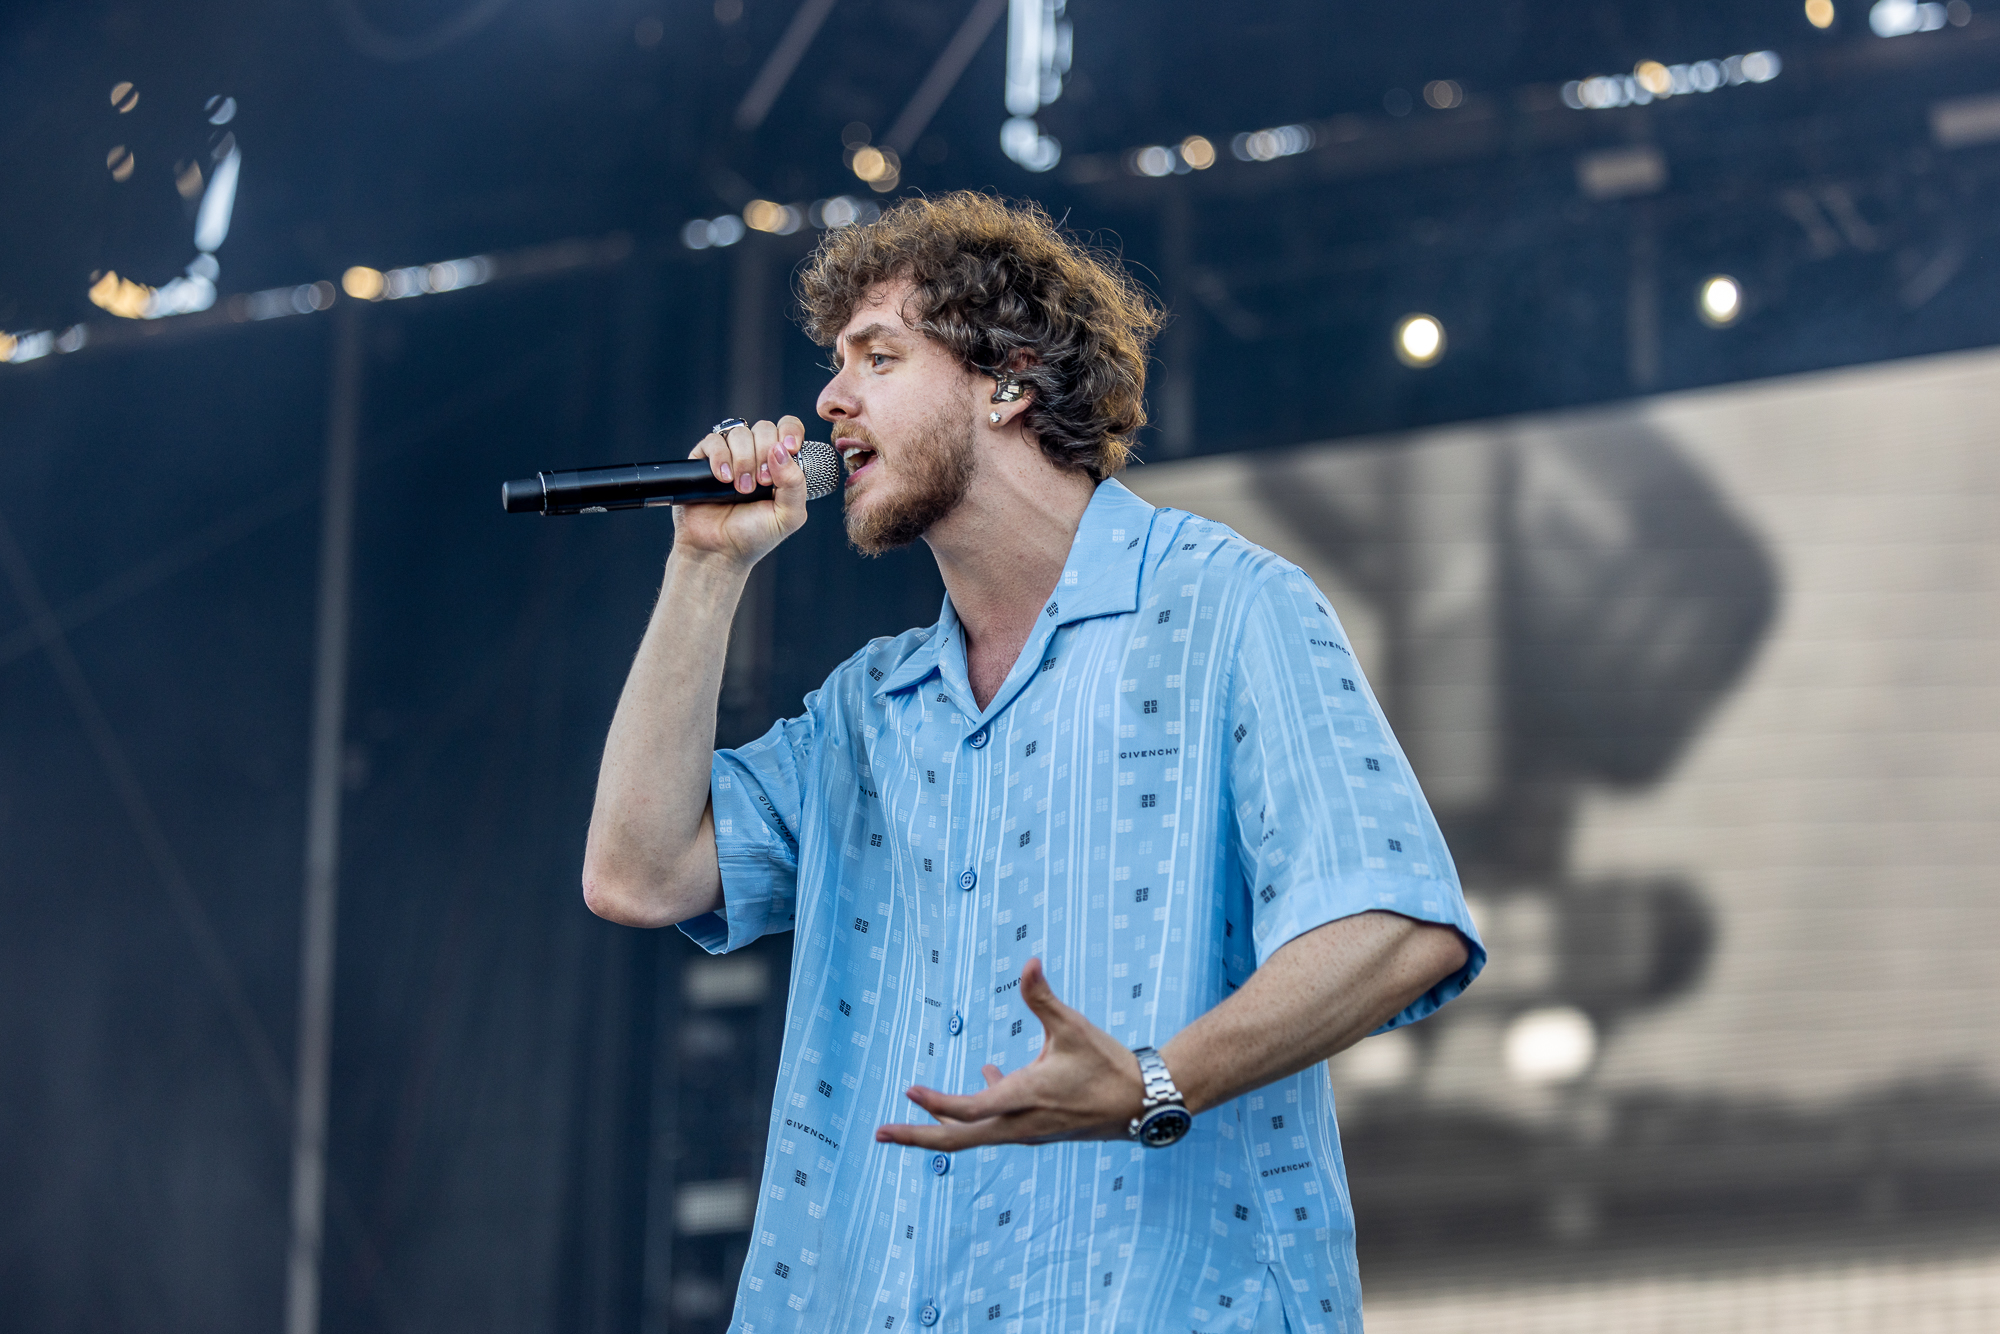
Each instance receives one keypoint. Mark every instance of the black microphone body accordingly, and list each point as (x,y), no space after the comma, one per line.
(626,486)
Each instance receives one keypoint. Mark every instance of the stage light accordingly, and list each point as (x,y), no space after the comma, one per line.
(1899,18)
(124,96)
(1719,301)
(1550,1046)
(700,234)
(120,162)
(362,283)
(841,211)
(221,110)
(181,296)
(1758,66)
(1022,140)
(1419,340)
(218,202)
(854,134)
(32,346)
(762,215)
(1443,94)
(121,296)
(1819,13)
(1153,161)
(1650,80)
(450,275)
(880,167)
(1266,145)
(1197,152)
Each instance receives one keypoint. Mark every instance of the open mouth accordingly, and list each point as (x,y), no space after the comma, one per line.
(856,457)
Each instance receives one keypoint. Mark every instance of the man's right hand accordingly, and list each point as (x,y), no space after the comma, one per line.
(747,457)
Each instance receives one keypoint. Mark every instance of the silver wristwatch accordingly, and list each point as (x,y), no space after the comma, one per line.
(1163,1118)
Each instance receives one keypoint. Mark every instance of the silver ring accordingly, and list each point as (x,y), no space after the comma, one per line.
(726,425)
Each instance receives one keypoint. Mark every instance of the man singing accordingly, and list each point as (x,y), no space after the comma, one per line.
(1095,871)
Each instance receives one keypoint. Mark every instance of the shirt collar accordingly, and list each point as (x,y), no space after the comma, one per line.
(1100,578)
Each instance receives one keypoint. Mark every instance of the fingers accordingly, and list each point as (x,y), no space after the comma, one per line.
(1020,1128)
(788,485)
(998,1098)
(1041,997)
(950,1138)
(716,450)
(742,455)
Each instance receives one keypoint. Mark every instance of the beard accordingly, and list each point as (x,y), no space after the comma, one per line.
(936,470)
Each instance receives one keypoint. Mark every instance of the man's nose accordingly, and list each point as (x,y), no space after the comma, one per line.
(833,405)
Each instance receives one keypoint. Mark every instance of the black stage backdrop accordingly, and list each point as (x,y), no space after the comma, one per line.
(501,1109)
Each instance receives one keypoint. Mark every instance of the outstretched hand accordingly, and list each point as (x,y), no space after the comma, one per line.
(1084,1085)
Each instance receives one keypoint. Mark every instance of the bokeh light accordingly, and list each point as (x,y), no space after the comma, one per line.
(362,283)
(1719,300)
(1550,1046)
(1419,340)
(1443,94)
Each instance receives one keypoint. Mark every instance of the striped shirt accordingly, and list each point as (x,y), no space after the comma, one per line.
(1184,771)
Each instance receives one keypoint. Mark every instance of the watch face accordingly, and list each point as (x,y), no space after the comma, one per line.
(1164,1127)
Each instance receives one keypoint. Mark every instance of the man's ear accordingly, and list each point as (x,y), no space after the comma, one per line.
(1008,388)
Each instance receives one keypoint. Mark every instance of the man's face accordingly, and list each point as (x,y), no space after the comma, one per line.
(902,408)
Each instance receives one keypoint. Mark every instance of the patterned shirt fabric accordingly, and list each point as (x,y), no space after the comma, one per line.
(1184,771)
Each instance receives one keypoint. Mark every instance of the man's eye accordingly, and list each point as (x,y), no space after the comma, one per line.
(877,358)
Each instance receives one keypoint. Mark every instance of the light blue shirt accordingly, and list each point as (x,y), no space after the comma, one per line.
(1184,771)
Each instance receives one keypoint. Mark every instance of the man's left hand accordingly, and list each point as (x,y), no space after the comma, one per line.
(1084,1085)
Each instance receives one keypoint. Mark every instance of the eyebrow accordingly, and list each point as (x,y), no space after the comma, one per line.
(869,334)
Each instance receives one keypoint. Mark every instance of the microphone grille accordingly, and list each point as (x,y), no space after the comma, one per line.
(821,464)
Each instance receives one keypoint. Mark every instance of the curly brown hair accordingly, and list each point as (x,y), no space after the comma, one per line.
(992,278)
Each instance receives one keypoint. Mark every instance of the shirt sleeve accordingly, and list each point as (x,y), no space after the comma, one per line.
(757,793)
(1328,818)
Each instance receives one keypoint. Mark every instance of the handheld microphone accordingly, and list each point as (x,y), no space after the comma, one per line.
(628,486)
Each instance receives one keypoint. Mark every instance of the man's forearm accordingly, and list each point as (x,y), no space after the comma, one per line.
(650,859)
(1318,995)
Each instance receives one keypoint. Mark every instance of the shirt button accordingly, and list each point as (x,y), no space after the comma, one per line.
(957,1023)
(929,1315)
(968,878)
(941,1164)
(977,740)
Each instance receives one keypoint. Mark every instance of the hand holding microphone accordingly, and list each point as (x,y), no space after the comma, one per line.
(739,493)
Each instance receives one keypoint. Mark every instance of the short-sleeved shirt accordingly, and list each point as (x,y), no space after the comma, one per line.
(1184,771)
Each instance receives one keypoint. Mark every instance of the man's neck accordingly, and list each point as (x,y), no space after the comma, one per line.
(1002,551)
